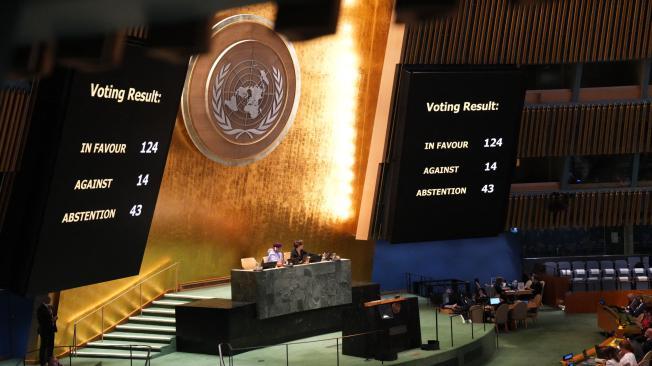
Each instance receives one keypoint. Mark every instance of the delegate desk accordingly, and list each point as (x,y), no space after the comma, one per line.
(288,290)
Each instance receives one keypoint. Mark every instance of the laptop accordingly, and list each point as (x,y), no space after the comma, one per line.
(315,258)
(494,301)
(268,265)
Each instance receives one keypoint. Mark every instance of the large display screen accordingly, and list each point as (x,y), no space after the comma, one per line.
(452,153)
(107,156)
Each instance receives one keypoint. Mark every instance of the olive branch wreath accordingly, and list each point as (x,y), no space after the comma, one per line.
(223,120)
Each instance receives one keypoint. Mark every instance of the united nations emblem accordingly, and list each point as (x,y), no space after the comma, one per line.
(240,99)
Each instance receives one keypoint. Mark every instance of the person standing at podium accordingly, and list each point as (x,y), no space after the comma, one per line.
(274,254)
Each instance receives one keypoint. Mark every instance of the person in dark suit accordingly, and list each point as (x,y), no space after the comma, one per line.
(298,254)
(47,326)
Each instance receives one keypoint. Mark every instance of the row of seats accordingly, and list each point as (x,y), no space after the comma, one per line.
(633,273)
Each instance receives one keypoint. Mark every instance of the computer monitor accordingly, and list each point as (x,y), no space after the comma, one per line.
(494,301)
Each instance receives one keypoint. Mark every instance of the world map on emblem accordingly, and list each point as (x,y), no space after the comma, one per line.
(241,98)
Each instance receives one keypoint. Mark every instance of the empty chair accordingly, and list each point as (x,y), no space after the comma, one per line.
(551,268)
(606,264)
(476,314)
(624,283)
(248,263)
(533,308)
(564,269)
(500,316)
(645,361)
(563,265)
(593,284)
(578,265)
(622,267)
(608,281)
(633,262)
(519,313)
(593,276)
(578,283)
(593,268)
(642,282)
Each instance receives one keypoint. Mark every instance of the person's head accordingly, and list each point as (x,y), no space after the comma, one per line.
(47,300)
(499,281)
(53,361)
(631,297)
(277,246)
(298,245)
(648,333)
(625,347)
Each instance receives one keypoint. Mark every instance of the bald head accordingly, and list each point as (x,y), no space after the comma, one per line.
(648,333)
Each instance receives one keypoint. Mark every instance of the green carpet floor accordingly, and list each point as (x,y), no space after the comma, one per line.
(554,335)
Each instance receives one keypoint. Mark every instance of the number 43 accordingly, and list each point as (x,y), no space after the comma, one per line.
(488,188)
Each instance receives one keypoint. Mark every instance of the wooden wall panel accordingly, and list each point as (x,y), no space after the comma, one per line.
(14,124)
(541,32)
(598,129)
(14,108)
(584,209)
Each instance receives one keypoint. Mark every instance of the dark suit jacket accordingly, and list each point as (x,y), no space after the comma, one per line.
(46,323)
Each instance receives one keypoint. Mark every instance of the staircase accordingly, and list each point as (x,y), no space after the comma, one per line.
(154,327)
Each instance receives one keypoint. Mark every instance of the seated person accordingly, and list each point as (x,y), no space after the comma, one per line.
(625,355)
(480,293)
(498,288)
(298,254)
(647,341)
(636,305)
(274,254)
(535,285)
(645,320)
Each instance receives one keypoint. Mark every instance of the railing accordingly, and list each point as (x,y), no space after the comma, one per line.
(124,305)
(71,349)
(222,347)
(281,354)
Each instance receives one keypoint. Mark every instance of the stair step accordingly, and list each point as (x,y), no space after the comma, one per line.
(146,319)
(124,345)
(159,311)
(168,303)
(109,353)
(146,328)
(186,297)
(138,337)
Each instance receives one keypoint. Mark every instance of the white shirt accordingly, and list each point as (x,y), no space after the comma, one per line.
(628,359)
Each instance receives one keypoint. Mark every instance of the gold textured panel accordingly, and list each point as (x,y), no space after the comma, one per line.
(208,216)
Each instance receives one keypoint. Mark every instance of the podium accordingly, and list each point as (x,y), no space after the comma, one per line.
(392,326)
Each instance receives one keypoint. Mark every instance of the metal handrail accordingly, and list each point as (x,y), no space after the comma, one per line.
(139,285)
(71,353)
(286,345)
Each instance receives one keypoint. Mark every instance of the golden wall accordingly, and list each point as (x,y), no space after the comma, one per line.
(208,216)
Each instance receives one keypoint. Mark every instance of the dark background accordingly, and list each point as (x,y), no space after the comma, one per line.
(59,256)
(475,214)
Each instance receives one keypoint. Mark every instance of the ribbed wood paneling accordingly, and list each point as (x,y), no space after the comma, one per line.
(535,32)
(585,130)
(14,108)
(137,32)
(584,209)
